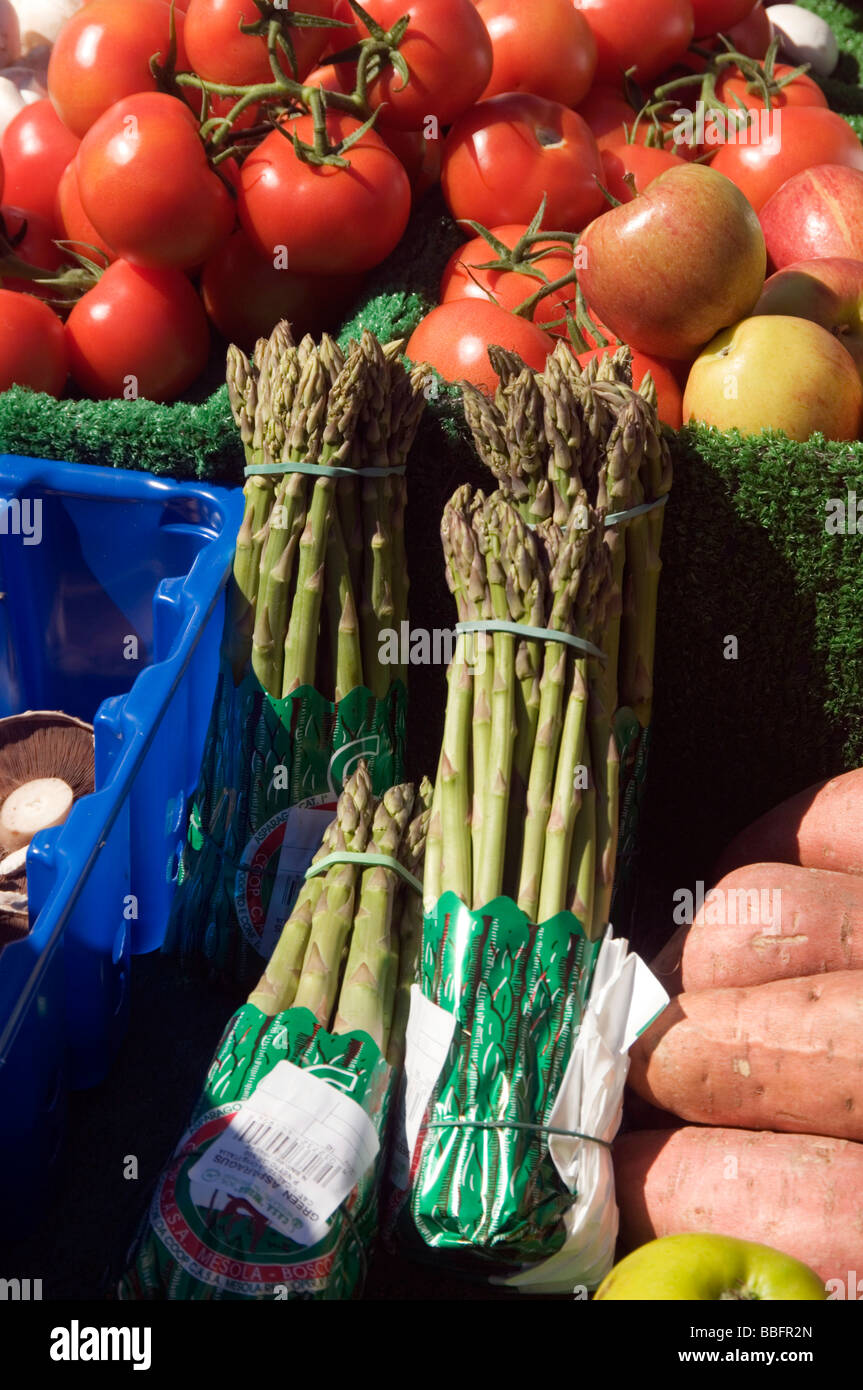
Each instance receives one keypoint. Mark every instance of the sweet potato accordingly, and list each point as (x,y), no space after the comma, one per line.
(800,1193)
(767,922)
(819,828)
(785,1056)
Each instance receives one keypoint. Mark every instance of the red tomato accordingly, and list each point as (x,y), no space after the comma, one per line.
(732,90)
(221,106)
(508,288)
(713,16)
(246,296)
(36,148)
(32,345)
(612,121)
(420,157)
(448,53)
(103,54)
(623,135)
(645,34)
(606,109)
(797,138)
(32,240)
(328,219)
(644,163)
(138,333)
(146,186)
(75,223)
(505,154)
(546,47)
(219,51)
(454,339)
(669,394)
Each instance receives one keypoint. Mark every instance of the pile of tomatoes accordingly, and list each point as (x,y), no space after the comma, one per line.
(184,224)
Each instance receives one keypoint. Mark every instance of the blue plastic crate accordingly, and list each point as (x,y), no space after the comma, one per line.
(115,616)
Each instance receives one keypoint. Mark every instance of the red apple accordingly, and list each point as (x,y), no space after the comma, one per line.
(776,373)
(827,291)
(667,271)
(818,212)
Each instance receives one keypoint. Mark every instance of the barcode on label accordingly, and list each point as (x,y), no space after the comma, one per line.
(294,1152)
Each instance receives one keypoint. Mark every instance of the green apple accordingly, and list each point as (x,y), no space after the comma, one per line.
(776,373)
(707,1268)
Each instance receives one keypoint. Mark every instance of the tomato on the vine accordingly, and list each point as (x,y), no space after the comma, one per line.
(147,187)
(32,240)
(324,218)
(733,89)
(803,137)
(647,35)
(463,278)
(76,225)
(455,337)
(668,392)
(448,53)
(33,348)
(546,47)
(643,162)
(219,51)
(36,147)
(138,333)
(246,295)
(503,156)
(103,53)
(613,122)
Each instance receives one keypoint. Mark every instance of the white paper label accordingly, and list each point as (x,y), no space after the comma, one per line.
(294,1150)
(428,1037)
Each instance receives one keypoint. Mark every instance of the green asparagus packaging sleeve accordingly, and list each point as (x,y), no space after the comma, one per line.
(236,1209)
(508,1145)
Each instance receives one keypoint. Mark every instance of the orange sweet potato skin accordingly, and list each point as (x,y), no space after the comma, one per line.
(800,1193)
(819,828)
(818,928)
(784,1056)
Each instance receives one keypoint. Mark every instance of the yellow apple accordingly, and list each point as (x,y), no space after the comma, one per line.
(710,1268)
(776,373)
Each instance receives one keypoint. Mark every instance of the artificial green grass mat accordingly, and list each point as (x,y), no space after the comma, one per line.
(745,555)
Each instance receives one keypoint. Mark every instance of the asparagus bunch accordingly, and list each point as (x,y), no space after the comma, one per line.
(568,437)
(524,715)
(319,568)
(350,948)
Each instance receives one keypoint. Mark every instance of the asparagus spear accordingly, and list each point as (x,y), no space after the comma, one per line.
(409,918)
(331,923)
(644,537)
(454,773)
(564,582)
(368,991)
(566,795)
